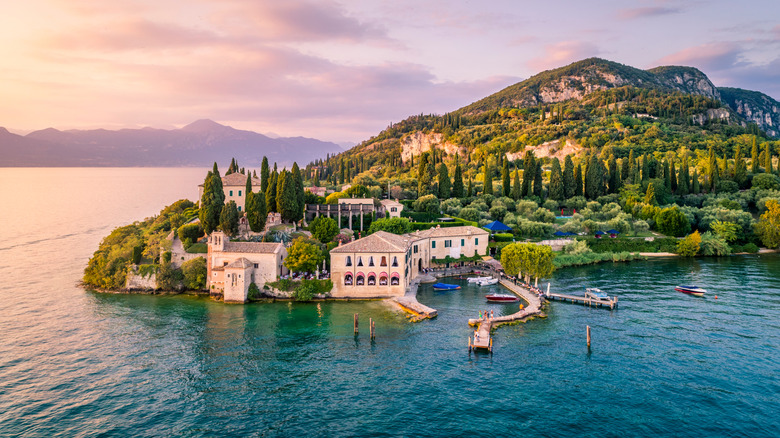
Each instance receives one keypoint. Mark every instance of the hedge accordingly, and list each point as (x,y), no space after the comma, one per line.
(623,244)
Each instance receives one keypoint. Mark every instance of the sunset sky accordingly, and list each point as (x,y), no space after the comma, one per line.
(342,70)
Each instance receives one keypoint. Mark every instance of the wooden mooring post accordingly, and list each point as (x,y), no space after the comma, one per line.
(587,329)
(372,327)
(356,323)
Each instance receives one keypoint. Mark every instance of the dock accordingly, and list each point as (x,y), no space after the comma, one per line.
(482,339)
(410,304)
(609,302)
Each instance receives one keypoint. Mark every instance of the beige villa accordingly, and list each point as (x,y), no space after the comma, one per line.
(390,208)
(234,186)
(383,264)
(233,266)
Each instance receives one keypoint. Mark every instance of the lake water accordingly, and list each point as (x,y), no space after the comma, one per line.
(76,363)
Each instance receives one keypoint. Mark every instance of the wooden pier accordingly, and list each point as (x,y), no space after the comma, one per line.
(410,304)
(608,302)
(482,338)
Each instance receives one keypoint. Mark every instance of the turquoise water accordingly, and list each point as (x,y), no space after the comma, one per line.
(75,363)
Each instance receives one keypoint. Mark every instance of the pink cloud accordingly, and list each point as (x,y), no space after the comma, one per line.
(563,53)
(711,56)
(653,11)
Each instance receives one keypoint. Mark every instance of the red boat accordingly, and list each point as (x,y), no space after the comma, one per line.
(691,290)
(502,298)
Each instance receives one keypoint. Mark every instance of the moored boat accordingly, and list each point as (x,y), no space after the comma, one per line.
(445,286)
(478,279)
(488,282)
(691,290)
(502,298)
(596,293)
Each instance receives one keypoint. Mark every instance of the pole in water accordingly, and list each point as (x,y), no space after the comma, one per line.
(356,323)
(588,333)
(372,325)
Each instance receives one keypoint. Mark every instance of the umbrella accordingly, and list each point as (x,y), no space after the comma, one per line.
(560,233)
(497,226)
(600,233)
(613,231)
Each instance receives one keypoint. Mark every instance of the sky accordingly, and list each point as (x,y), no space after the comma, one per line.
(342,70)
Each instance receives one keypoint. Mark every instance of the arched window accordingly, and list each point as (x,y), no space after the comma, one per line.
(383,279)
(360,261)
(348,279)
(395,261)
(371,279)
(360,281)
(383,262)
(349,260)
(394,280)
(370,260)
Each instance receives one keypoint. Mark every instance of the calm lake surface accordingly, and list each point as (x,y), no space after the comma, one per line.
(76,363)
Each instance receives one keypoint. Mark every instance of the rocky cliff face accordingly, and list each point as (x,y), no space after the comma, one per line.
(687,80)
(754,107)
(418,142)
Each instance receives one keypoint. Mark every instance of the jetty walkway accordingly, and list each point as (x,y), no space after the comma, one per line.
(534,306)
(606,302)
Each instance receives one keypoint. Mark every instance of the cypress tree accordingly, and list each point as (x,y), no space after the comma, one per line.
(740,168)
(315,180)
(650,195)
(625,169)
(683,187)
(516,185)
(767,158)
(505,178)
(672,177)
(631,167)
(286,203)
(645,168)
(487,188)
(613,177)
(593,178)
(431,170)
(667,176)
(298,194)
(457,183)
(695,186)
(578,180)
(256,211)
(568,177)
(228,218)
(529,173)
(270,193)
(555,189)
(712,170)
(444,181)
(212,201)
(538,180)
(471,187)
(754,157)
(423,183)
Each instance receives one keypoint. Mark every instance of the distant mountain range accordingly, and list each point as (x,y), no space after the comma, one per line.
(198,144)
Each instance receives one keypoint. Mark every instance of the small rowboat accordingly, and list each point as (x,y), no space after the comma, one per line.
(691,290)
(502,298)
(478,279)
(596,293)
(488,282)
(445,286)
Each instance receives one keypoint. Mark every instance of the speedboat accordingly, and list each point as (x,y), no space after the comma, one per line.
(596,293)
(691,290)
(478,279)
(502,298)
(445,286)
(488,282)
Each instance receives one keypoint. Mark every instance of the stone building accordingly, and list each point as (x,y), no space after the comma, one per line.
(233,266)
(383,264)
(234,186)
(390,208)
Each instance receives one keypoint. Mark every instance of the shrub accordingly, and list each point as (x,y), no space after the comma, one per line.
(750,247)
(254,292)
(169,278)
(503,237)
(689,246)
(673,222)
(190,231)
(194,273)
(712,245)
(427,204)
(198,248)
(470,214)
(726,186)
(766,181)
